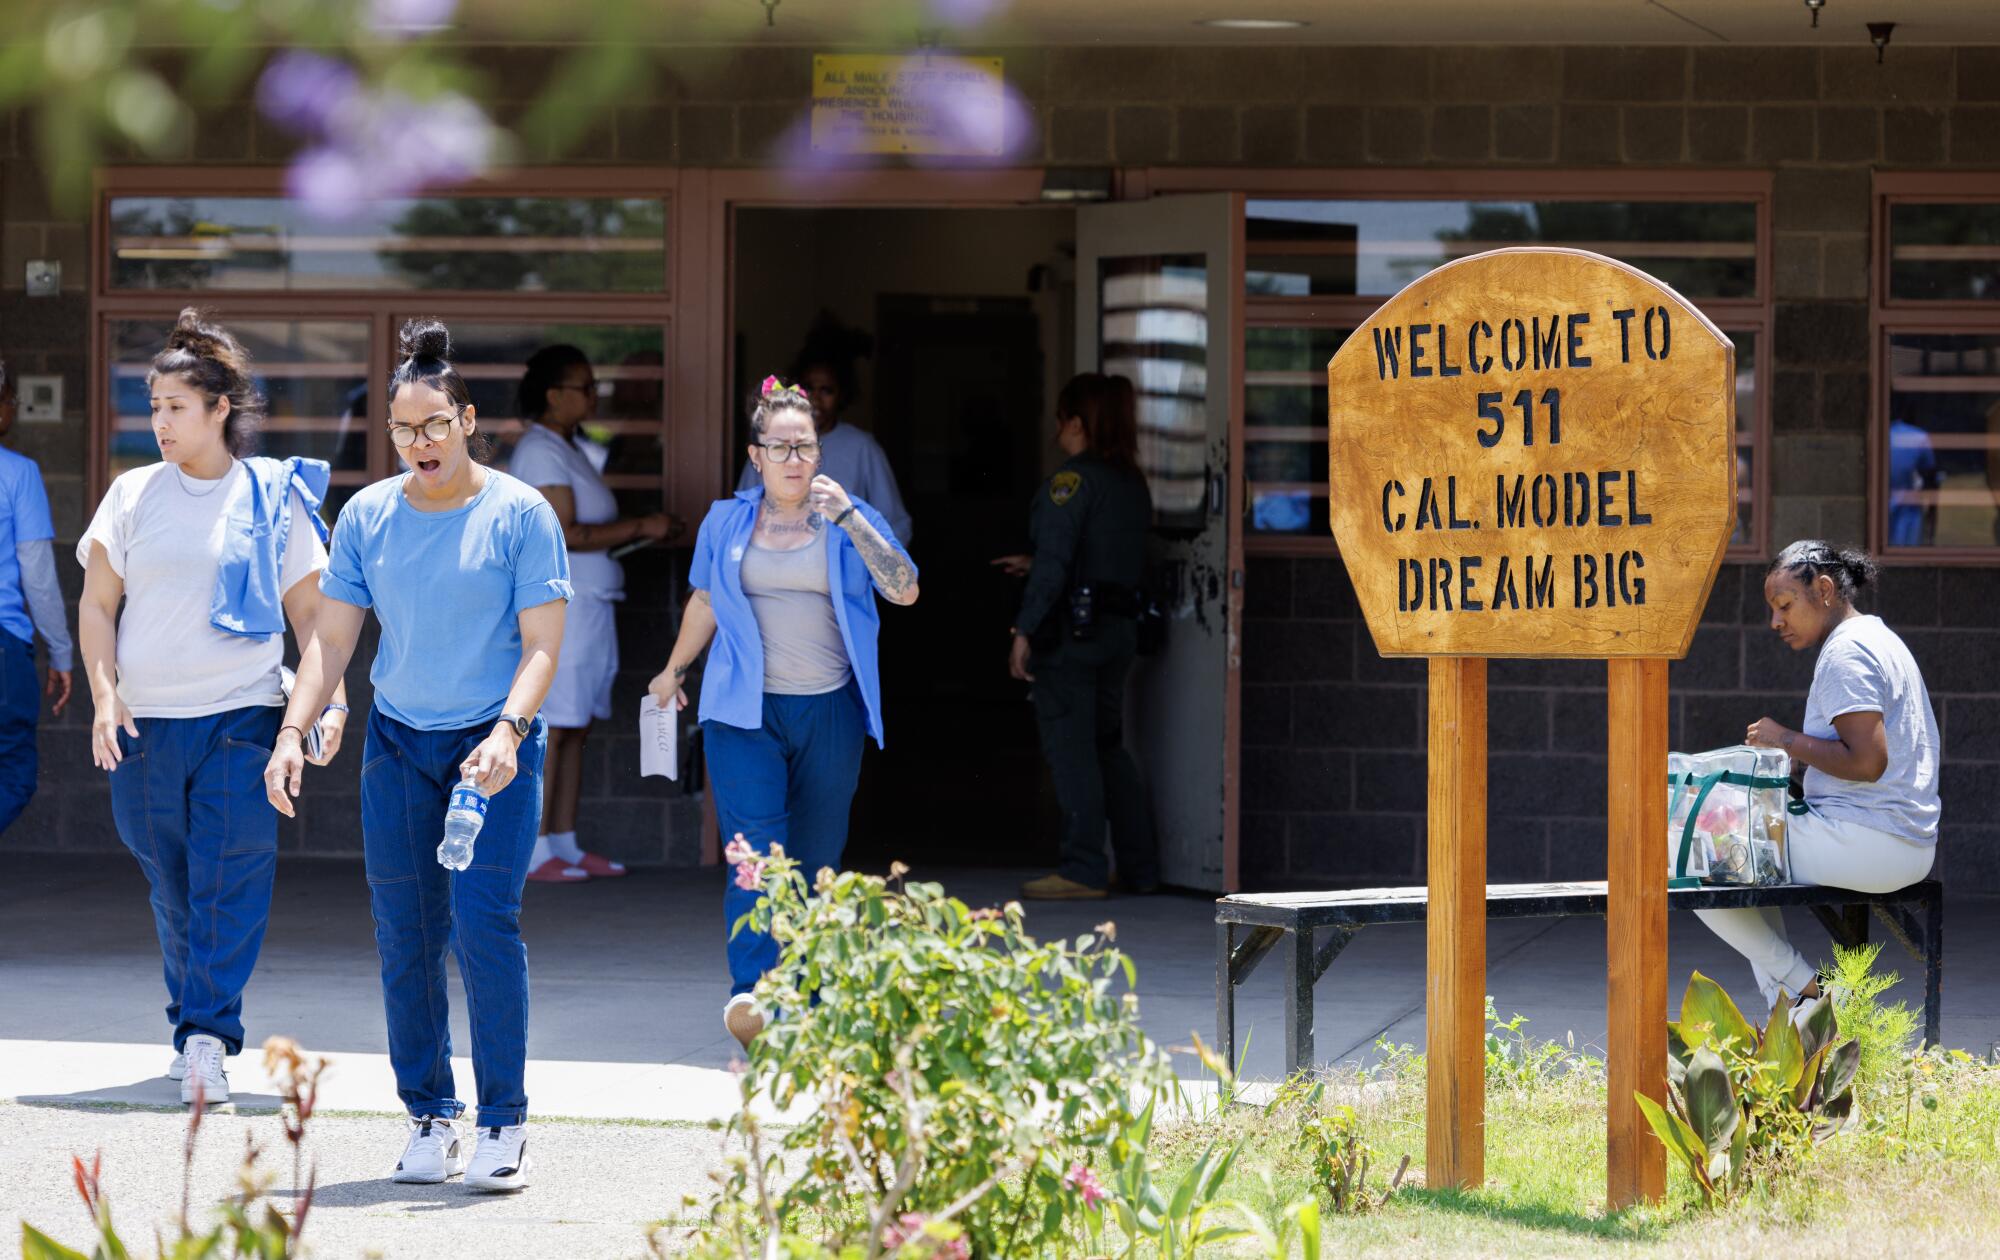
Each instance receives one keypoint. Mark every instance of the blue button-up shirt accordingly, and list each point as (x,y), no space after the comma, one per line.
(732,684)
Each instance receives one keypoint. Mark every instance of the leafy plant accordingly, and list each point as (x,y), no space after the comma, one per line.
(1340,1159)
(1516,1060)
(1741,1099)
(237,1232)
(1884,1030)
(958,1073)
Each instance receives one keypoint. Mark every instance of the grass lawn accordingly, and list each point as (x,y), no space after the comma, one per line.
(1918,1176)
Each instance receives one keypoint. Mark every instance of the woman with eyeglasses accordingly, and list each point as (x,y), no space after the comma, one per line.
(784,581)
(557,395)
(466,571)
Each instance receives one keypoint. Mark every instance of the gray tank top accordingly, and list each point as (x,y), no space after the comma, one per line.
(804,654)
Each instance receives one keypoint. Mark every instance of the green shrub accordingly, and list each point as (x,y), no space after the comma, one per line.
(1884,1030)
(1743,1100)
(959,1073)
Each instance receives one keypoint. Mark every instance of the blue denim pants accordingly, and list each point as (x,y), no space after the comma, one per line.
(20,706)
(188,800)
(421,909)
(790,783)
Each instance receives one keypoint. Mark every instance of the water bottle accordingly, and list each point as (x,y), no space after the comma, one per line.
(462,821)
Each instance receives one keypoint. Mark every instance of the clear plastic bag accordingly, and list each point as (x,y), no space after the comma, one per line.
(1726,817)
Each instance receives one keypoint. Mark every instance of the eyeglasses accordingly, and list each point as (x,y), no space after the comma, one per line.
(781,452)
(436,429)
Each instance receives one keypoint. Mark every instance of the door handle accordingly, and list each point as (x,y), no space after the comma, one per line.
(1218,493)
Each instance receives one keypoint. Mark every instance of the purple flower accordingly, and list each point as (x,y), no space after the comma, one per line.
(328,181)
(401,19)
(965,12)
(304,92)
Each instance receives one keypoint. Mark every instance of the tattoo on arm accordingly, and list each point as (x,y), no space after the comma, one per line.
(681,671)
(701,594)
(891,571)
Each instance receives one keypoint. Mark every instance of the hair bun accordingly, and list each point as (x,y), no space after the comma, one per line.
(1861,568)
(194,334)
(425,339)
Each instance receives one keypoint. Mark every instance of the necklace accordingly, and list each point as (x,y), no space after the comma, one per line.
(183,479)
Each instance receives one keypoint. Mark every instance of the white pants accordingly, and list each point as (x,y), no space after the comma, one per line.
(589,660)
(1829,855)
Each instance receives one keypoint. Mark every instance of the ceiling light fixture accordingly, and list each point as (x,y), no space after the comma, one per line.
(1815,6)
(1878,34)
(1253,24)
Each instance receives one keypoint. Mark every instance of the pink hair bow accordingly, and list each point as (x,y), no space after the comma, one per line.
(775,388)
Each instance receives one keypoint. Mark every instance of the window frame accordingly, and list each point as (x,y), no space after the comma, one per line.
(1752,314)
(1888,317)
(383,308)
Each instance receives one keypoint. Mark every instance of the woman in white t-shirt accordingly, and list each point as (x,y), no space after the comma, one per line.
(1870,752)
(211,555)
(557,394)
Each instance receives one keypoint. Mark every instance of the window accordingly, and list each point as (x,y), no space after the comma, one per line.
(1934,479)
(318,304)
(1323,250)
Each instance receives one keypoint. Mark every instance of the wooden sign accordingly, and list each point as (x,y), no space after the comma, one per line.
(1533,454)
(938,105)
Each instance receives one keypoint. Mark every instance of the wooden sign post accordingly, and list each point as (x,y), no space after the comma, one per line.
(1533,454)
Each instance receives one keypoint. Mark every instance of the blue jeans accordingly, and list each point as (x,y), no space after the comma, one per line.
(188,800)
(421,908)
(789,783)
(20,706)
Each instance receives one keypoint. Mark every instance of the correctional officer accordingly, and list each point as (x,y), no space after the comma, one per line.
(1077,633)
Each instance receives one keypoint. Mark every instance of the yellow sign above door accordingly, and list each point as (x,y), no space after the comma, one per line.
(932,105)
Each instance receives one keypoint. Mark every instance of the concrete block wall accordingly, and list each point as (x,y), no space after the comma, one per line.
(1332,765)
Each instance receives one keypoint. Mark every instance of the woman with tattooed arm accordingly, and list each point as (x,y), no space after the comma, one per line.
(784,582)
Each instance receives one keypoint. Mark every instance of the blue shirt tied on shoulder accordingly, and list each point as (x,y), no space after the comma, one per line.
(732,683)
(249,599)
(448,589)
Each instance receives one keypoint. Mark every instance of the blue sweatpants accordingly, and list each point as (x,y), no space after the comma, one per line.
(420,908)
(188,800)
(790,783)
(20,706)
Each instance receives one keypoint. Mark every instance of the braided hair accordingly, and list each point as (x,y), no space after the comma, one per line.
(1806,561)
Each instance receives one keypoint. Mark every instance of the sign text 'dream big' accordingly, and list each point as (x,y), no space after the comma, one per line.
(1532,453)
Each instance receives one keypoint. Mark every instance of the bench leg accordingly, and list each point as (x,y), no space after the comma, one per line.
(1225,993)
(1934,971)
(1299,1006)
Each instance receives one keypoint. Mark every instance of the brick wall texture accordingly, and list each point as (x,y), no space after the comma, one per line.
(1332,760)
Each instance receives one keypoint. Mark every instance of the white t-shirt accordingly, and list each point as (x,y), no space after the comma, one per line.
(543,458)
(162,531)
(1864,667)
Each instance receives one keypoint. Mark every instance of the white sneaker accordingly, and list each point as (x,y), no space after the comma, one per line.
(178,1069)
(434,1153)
(500,1162)
(202,1070)
(743,1018)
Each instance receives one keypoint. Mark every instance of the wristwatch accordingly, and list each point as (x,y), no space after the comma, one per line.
(521,725)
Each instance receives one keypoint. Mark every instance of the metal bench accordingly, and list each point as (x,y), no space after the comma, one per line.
(1310,929)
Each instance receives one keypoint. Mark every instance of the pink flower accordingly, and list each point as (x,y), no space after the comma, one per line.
(910,1226)
(1086,1184)
(739,850)
(750,874)
(985,914)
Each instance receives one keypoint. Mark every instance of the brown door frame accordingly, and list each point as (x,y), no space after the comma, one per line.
(705,241)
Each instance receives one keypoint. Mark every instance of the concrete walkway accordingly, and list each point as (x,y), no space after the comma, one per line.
(627,984)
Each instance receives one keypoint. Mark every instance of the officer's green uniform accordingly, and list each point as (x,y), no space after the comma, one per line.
(1088,526)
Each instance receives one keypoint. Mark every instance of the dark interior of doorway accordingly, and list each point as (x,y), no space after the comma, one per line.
(956,391)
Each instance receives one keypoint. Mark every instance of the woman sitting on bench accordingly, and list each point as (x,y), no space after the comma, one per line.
(1870,752)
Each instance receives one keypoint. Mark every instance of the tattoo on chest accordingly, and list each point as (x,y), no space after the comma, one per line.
(811,524)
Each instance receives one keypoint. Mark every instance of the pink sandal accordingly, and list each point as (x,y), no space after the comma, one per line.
(557,871)
(599,867)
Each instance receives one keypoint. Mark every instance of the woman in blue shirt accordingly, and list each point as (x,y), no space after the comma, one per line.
(30,600)
(466,571)
(791,688)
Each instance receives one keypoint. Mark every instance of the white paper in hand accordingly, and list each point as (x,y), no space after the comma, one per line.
(659,740)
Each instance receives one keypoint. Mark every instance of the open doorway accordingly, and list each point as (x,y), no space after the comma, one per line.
(967,318)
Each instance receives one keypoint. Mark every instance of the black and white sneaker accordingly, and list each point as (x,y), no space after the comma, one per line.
(434,1153)
(500,1162)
